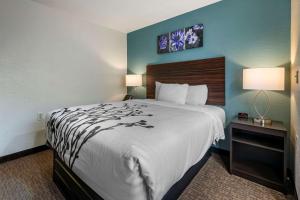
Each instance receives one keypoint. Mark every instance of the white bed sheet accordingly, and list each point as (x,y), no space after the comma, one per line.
(137,163)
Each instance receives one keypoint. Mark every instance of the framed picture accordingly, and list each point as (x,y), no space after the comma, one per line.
(163,43)
(194,36)
(177,40)
(181,39)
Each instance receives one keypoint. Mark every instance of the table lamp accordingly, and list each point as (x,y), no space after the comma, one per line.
(263,79)
(133,80)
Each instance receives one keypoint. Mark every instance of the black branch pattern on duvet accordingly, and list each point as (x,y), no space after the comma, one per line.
(69,128)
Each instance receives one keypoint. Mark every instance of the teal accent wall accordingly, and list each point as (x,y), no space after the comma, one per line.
(249,33)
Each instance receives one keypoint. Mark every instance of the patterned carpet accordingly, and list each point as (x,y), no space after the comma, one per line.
(30,177)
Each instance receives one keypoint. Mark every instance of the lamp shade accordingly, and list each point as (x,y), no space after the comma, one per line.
(133,80)
(263,78)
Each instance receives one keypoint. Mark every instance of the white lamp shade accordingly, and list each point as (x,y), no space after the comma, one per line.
(134,80)
(263,78)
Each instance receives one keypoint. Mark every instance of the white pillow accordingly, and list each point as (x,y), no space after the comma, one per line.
(157,87)
(197,95)
(175,93)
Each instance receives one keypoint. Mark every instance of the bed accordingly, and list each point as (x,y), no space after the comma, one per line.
(139,149)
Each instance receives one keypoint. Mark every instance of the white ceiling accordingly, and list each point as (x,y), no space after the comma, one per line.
(126,15)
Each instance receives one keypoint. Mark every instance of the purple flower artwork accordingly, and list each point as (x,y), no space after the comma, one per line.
(177,40)
(163,43)
(194,36)
(181,39)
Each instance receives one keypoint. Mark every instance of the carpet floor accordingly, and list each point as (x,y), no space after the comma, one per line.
(30,177)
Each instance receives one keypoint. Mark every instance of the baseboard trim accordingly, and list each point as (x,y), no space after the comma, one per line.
(23,153)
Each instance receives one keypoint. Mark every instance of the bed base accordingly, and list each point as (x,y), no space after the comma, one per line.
(72,187)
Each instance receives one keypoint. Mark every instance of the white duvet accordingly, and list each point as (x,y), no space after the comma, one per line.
(139,155)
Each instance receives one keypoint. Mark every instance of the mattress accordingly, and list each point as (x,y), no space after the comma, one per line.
(134,149)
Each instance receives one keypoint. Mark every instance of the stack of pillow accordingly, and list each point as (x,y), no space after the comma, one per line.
(181,93)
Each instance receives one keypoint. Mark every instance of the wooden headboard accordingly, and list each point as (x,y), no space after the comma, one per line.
(207,71)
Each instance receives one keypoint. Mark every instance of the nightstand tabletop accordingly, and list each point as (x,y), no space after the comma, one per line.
(276,125)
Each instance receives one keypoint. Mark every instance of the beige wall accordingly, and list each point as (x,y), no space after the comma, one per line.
(295,94)
(48,60)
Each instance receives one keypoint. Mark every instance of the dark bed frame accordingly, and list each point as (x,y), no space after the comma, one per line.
(208,71)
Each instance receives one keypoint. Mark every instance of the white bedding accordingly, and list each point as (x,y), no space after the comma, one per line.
(137,161)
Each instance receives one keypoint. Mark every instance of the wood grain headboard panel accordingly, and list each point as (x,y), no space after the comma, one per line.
(207,71)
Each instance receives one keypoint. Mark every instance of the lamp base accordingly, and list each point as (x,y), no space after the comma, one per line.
(262,121)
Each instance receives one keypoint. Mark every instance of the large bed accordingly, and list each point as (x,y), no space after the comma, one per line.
(139,149)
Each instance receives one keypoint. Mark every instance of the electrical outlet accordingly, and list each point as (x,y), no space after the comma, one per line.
(40,116)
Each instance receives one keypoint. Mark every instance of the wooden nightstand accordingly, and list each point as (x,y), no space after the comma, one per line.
(259,153)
